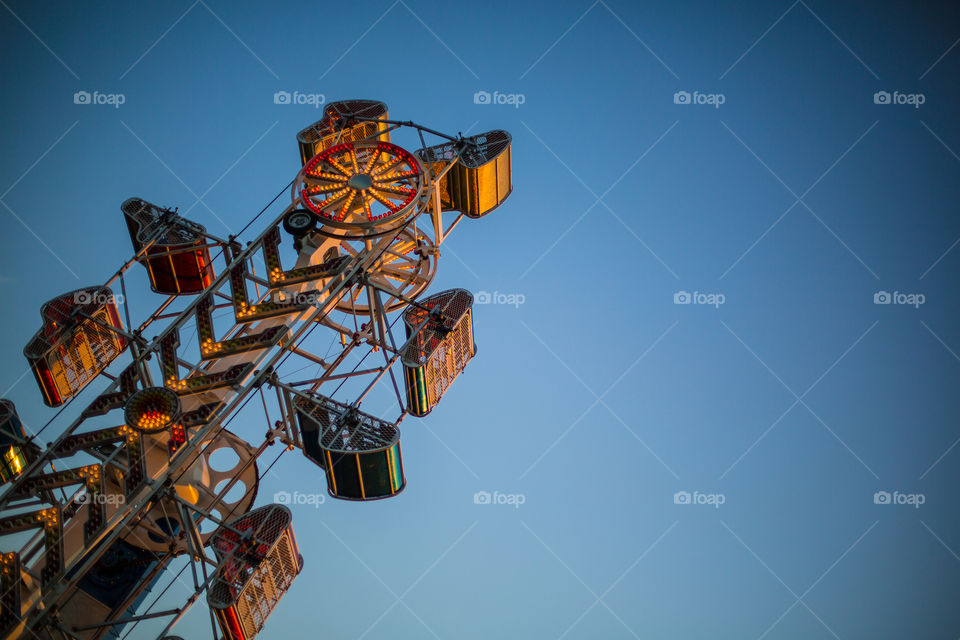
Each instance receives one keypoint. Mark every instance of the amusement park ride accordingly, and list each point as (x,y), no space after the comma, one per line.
(96,517)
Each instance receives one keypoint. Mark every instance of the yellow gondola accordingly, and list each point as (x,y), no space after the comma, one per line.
(339,125)
(480,180)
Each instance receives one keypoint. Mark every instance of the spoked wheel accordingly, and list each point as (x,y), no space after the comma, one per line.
(362,189)
(406,269)
(199,485)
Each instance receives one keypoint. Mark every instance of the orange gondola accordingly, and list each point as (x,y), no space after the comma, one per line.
(339,124)
(178,261)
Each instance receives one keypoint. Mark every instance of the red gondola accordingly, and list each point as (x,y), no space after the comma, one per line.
(178,261)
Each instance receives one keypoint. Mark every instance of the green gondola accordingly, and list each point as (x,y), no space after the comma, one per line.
(439,346)
(360,453)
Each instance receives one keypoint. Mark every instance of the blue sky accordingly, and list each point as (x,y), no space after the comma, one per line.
(794,202)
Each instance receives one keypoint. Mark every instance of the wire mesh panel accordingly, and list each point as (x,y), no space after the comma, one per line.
(481,180)
(360,453)
(259,559)
(340,124)
(440,346)
(75,343)
(179,261)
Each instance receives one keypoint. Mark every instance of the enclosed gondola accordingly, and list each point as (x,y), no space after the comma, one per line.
(360,453)
(81,335)
(16,451)
(258,560)
(340,123)
(439,346)
(480,180)
(178,261)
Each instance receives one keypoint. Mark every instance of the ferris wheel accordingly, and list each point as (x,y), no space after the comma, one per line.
(91,523)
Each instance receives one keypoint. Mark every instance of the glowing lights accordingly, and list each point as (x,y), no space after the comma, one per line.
(210,348)
(357,183)
(178,436)
(11,457)
(13,463)
(14,460)
(152,410)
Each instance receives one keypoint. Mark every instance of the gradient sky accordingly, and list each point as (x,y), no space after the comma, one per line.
(597,399)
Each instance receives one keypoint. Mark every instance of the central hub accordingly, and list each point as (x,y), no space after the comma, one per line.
(360,182)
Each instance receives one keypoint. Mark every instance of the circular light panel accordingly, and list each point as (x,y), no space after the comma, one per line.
(152,410)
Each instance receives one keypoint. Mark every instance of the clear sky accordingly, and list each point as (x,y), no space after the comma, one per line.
(782,192)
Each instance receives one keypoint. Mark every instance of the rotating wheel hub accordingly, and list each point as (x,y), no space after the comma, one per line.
(362,189)
(199,485)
